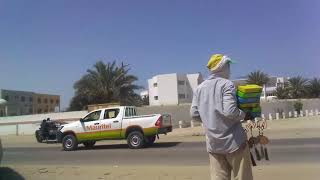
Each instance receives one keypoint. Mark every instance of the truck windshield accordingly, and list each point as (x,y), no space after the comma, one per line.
(92,116)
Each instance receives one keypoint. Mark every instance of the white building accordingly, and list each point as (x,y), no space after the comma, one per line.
(173,89)
(273,83)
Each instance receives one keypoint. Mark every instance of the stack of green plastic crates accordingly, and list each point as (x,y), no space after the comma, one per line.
(249,99)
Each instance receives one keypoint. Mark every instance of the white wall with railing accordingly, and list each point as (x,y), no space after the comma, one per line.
(28,124)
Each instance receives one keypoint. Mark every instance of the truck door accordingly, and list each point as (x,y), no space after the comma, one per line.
(90,126)
(111,124)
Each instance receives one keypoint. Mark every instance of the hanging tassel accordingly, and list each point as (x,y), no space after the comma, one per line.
(257,154)
(252,160)
(266,154)
(262,152)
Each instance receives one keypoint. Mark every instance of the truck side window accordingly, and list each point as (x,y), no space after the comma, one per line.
(127,112)
(92,116)
(111,113)
(131,111)
(134,112)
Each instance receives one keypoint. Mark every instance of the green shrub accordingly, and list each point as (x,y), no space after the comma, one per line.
(298,106)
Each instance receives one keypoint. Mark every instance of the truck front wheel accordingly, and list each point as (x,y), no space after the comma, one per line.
(69,143)
(135,140)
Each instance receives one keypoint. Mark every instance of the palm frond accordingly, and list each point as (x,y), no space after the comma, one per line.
(106,83)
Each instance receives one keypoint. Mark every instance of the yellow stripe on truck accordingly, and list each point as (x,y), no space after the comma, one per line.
(112,134)
(96,135)
(150,131)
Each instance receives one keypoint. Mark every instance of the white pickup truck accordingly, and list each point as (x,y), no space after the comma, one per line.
(114,123)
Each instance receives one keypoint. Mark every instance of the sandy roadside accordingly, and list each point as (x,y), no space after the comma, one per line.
(291,128)
(278,172)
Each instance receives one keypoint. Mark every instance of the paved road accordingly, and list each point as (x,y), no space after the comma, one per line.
(163,153)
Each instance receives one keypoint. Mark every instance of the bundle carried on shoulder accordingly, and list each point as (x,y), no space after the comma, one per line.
(248,97)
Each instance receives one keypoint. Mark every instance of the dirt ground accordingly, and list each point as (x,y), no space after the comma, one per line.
(82,172)
(307,127)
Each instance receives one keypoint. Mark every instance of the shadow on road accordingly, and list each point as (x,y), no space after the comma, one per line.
(125,146)
(49,142)
(9,174)
(164,145)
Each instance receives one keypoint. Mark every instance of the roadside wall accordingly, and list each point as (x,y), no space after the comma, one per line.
(39,117)
(178,112)
(28,124)
(7,130)
(279,106)
(181,112)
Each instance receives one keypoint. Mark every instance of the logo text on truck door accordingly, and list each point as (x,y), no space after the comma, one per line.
(98,127)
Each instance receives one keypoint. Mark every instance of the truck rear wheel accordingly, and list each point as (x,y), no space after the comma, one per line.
(69,143)
(135,140)
(89,144)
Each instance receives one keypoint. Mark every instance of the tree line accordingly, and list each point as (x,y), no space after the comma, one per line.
(106,83)
(112,83)
(295,88)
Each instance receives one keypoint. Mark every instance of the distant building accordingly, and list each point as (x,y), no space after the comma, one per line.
(274,83)
(270,87)
(173,89)
(15,103)
(45,103)
(3,107)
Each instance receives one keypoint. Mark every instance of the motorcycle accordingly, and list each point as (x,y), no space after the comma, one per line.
(47,131)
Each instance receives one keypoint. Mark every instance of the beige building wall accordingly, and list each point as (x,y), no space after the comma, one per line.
(45,103)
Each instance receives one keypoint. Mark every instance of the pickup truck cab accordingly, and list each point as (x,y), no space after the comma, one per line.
(114,123)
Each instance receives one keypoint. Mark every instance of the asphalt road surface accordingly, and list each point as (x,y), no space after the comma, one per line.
(162,153)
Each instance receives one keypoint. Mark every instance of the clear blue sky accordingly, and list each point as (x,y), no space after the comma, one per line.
(45,46)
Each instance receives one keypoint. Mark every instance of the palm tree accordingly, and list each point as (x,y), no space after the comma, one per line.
(78,102)
(297,87)
(282,92)
(105,83)
(313,88)
(145,100)
(258,77)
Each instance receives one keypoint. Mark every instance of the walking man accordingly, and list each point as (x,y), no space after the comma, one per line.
(214,103)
